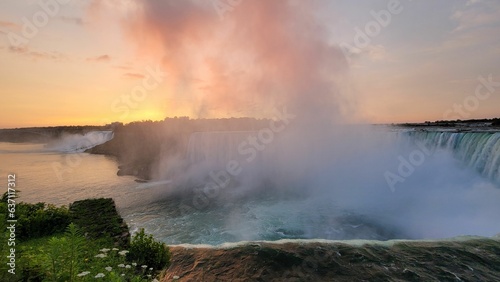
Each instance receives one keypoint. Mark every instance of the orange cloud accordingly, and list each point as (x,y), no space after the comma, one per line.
(25,51)
(102,58)
(9,25)
(133,75)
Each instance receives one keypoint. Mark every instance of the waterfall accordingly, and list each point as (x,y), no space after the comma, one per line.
(215,147)
(76,143)
(479,150)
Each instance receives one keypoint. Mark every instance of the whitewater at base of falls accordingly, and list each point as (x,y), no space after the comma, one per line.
(336,191)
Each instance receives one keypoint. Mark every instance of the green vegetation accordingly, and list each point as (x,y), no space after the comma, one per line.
(38,220)
(84,242)
(146,251)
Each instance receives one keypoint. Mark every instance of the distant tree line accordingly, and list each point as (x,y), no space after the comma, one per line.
(495,122)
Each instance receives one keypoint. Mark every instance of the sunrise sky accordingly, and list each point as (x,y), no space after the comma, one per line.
(76,62)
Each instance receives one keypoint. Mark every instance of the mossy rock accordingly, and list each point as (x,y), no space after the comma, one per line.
(98,218)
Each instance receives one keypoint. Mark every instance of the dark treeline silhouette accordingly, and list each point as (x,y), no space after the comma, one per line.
(493,122)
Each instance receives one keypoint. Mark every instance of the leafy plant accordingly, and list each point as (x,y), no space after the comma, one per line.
(145,250)
(64,254)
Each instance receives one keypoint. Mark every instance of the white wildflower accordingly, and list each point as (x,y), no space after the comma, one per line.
(104,250)
(101,255)
(144,266)
(150,269)
(99,275)
(121,265)
(127,266)
(109,268)
(115,249)
(134,264)
(123,274)
(83,273)
(122,253)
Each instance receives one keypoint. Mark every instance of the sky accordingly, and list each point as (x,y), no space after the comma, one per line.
(91,62)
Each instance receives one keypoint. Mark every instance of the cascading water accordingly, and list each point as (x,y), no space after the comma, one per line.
(76,143)
(479,150)
(215,147)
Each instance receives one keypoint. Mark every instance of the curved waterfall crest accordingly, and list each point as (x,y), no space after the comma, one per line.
(479,150)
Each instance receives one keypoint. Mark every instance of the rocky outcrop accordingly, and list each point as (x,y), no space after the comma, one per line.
(468,260)
(99,218)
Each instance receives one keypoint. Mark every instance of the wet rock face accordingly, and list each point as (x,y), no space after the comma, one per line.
(471,260)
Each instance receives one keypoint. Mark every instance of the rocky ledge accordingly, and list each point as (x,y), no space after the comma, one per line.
(476,259)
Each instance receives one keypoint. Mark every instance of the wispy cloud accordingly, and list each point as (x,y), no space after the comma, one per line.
(72,20)
(472,2)
(133,75)
(474,16)
(477,23)
(9,25)
(36,55)
(101,58)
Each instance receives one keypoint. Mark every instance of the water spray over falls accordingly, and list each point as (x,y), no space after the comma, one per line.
(317,178)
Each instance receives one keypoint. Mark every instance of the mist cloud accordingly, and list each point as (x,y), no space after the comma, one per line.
(269,53)
(263,54)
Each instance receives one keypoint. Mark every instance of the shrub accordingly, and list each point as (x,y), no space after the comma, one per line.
(145,250)
(35,220)
(38,220)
